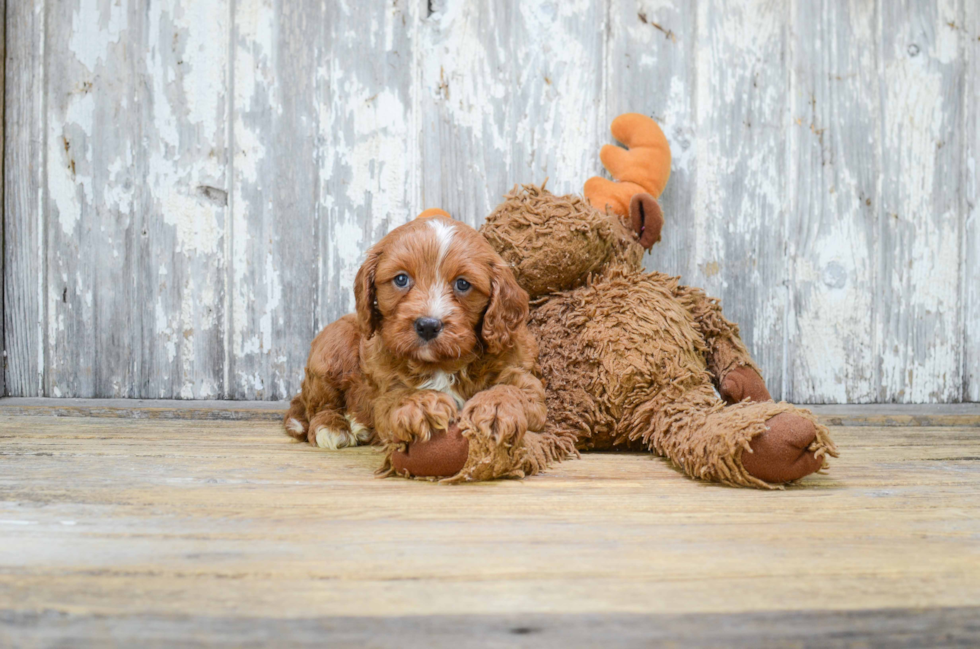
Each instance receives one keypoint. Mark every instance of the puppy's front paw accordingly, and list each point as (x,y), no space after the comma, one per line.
(497,416)
(332,438)
(421,414)
(335,437)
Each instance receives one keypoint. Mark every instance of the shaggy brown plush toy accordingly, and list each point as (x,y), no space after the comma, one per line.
(630,359)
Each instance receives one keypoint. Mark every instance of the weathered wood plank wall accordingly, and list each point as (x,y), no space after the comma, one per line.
(190,184)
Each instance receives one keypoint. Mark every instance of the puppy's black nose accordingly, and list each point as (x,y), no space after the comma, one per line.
(428,328)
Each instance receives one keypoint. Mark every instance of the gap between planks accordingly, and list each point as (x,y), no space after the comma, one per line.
(958,414)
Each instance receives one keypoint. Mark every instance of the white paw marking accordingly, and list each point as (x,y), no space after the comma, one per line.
(295,426)
(334,440)
(362,434)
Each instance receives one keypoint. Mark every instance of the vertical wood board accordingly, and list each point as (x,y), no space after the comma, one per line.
(184,204)
(832,220)
(3,271)
(740,199)
(970,250)
(23,187)
(93,157)
(918,318)
(273,266)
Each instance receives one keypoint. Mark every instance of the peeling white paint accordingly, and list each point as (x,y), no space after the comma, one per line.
(68,156)
(919,333)
(108,20)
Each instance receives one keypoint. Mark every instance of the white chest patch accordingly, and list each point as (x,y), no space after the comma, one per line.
(442,382)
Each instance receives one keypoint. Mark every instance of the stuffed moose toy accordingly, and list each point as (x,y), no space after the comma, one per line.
(630,360)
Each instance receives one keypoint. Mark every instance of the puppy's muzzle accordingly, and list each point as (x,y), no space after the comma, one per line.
(428,328)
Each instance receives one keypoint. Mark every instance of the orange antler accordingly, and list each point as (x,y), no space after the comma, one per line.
(642,168)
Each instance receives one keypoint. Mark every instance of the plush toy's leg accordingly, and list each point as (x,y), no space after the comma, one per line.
(747,444)
(732,370)
(469,456)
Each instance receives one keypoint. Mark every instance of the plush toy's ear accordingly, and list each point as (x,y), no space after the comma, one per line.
(507,311)
(365,295)
(647,219)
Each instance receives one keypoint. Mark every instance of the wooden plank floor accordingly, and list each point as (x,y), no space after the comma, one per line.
(211,532)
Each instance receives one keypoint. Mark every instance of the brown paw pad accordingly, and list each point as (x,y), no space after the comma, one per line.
(743,382)
(780,454)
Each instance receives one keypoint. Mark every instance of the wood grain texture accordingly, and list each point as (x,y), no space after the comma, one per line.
(184,521)
(970,274)
(918,316)
(3,320)
(511,92)
(876,415)
(901,628)
(191,186)
(135,209)
(742,180)
(832,213)
(92,199)
(24,228)
(651,67)
(184,210)
(273,267)
(368,141)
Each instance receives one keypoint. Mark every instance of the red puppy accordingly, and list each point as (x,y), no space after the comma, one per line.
(439,337)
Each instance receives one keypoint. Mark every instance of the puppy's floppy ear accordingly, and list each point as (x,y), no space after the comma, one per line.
(365,295)
(507,311)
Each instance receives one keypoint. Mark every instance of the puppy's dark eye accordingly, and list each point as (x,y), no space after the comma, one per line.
(401,280)
(462,285)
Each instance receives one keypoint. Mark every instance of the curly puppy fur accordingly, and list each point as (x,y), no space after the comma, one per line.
(384,376)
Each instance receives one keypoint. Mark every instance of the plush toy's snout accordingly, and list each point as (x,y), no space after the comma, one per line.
(647,219)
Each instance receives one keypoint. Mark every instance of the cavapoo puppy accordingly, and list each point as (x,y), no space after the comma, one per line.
(439,337)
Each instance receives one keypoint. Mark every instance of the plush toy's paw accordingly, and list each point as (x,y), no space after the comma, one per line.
(443,454)
(782,453)
(743,382)
(495,416)
(421,415)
